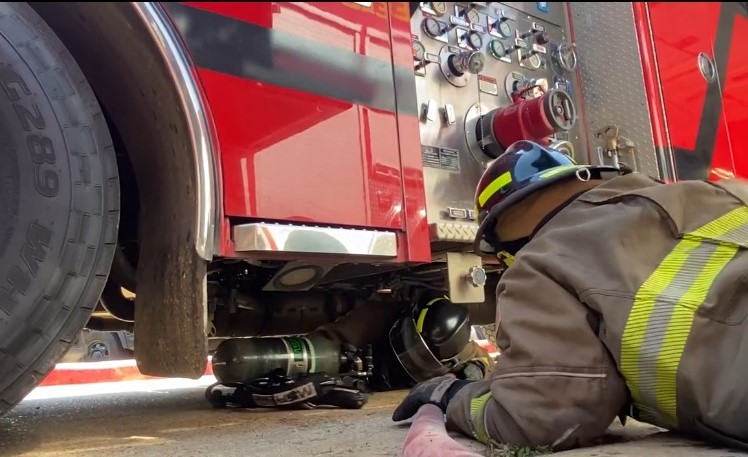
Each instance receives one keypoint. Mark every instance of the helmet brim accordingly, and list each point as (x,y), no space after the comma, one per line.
(412,352)
(489,222)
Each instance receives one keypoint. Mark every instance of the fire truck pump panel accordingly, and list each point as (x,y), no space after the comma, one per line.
(487,75)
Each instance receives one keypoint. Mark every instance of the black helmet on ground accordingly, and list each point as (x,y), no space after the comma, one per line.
(428,340)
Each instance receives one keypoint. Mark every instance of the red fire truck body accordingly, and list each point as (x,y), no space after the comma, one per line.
(705,119)
(277,162)
(299,140)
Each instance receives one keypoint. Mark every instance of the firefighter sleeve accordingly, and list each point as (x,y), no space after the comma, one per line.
(365,324)
(555,383)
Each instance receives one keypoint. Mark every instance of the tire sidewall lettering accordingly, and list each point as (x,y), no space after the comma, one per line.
(40,147)
(39,166)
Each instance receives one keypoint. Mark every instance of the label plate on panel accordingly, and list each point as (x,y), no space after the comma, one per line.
(488,85)
(442,158)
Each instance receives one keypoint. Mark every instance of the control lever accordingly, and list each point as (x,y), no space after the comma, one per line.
(536,28)
(615,145)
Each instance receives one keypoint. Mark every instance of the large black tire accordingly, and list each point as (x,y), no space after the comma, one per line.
(59,201)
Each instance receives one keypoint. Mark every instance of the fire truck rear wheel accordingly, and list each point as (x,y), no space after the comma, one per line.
(59,201)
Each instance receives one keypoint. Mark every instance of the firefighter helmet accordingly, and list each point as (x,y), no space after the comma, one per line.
(523,168)
(428,339)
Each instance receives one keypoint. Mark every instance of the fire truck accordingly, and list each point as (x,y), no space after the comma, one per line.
(199,170)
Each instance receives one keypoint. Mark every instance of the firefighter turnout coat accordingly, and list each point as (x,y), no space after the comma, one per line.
(631,300)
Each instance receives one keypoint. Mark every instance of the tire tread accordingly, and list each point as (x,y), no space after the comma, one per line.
(92,230)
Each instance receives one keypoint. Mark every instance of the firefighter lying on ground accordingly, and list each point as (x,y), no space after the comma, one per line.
(410,342)
(627,297)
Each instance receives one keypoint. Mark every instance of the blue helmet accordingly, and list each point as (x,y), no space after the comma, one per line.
(523,168)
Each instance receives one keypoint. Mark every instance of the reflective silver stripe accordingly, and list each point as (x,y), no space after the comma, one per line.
(663,311)
(736,221)
(659,321)
(551,373)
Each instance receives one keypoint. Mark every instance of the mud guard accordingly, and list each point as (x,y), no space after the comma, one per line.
(171,280)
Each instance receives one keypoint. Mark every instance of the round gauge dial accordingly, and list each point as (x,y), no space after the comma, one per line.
(432,27)
(439,7)
(497,49)
(419,51)
(504,29)
(534,61)
(473,17)
(474,40)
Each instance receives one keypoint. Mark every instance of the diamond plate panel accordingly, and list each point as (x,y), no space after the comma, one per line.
(612,81)
(445,231)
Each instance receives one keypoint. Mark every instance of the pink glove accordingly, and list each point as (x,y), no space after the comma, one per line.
(428,437)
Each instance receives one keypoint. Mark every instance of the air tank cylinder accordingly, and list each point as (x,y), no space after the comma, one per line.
(534,119)
(240,360)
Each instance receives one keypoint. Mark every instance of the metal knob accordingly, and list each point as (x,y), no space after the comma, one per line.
(477,276)
(542,38)
(467,62)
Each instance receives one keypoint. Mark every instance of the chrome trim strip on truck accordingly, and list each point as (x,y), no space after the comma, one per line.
(180,67)
(265,237)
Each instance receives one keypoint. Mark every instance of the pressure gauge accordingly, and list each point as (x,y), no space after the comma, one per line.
(432,27)
(419,51)
(439,7)
(474,40)
(473,17)
(497,49)
(504,29)
(534,61)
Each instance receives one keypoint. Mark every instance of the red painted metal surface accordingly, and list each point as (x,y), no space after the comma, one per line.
(677,44)
(652,86)
(735,98)
(105,371)
(289,155)
(418,248)
(293,155)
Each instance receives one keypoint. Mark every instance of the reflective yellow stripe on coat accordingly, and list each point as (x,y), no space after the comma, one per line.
(477,417)
(663,311)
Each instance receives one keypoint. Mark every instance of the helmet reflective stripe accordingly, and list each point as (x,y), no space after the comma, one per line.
(494,186)
(557,170)
(422,314)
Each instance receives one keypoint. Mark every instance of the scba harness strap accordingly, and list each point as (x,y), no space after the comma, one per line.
(281,391)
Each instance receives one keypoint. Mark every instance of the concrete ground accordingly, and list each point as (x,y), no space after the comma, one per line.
(164,418)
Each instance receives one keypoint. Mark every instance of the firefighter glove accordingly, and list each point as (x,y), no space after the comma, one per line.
(472,371)
(437,391)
